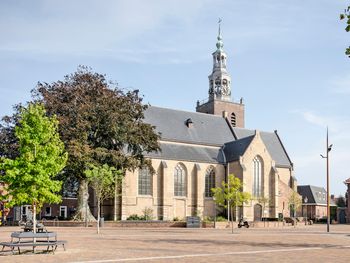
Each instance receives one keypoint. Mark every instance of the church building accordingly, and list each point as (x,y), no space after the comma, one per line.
(200,149)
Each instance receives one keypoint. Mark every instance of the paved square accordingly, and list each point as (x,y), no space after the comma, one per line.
(287,244)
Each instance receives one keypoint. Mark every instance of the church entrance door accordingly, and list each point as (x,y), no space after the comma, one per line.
(257,212)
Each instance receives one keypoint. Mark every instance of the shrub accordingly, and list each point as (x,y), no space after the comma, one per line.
(134,217)
(221,219)
(176,219)
(147,213)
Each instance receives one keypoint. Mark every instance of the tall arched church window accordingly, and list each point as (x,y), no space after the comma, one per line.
(209,181)
(233,119)
(180,180)
(145,182)
(257,177)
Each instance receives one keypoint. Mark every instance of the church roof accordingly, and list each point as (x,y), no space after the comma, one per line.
(233,150)
(199,129)
(315,195)
(183,152)
(272,142)
(205,129)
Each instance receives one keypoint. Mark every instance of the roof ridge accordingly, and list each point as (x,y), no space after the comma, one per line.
(187,111)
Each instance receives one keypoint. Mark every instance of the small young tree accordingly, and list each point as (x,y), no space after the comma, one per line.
(294,202)
(264,201)
(231,194)
(30,177)
(103,180)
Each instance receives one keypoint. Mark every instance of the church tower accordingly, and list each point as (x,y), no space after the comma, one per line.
(219,101)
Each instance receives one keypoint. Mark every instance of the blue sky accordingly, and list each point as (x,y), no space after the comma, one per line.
(286,59)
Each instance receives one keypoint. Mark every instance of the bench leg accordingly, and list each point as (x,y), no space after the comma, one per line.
(64,248)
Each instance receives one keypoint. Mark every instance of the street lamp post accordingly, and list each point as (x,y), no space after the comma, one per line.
(305,209)
(328,149)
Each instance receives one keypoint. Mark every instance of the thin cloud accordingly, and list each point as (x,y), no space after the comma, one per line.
(310,166)
(341,85)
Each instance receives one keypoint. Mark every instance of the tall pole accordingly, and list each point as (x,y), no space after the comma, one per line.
(328,207)
(328,149)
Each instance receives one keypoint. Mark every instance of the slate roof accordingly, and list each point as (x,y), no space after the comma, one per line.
(315,195)
(272,142)
(233,150)
(206,128)
(182,152)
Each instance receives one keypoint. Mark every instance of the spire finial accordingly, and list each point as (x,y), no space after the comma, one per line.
(219,44)
(220,20)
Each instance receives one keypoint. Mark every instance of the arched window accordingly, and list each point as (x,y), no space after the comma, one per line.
(145,182)
(209,181)
(233,119)
(180,180)
(257,177)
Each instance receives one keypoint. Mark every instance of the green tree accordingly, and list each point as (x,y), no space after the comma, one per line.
(231,195)
(341,201)
(102,179)
(8,140)
(294,202)
(30,177)
(346,16)
(99,124)
(264,201)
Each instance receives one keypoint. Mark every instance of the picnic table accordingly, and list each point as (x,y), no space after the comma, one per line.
(30,239)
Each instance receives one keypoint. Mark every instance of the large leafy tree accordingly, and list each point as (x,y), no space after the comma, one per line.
(30,178)
(231,194)
(8,139)
(99,124)
(346,16)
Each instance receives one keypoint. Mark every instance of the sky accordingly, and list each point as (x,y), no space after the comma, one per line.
(286,59)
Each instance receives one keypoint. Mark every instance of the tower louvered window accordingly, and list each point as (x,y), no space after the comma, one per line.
(233,119)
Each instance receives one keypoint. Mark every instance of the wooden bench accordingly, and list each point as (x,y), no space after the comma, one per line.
(46,239)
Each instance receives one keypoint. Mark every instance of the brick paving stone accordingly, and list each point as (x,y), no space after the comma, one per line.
(282,244)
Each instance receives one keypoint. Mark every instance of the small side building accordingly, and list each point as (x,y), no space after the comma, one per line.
(314,202)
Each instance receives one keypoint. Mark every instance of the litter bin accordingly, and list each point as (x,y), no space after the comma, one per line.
(102,222)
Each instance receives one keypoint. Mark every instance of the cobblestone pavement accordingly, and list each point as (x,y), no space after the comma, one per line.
(284,244)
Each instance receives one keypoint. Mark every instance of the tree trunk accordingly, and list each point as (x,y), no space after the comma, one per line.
(83,212)
(228,212)
(34,223)
(231,220)
(98,216)
(115,200)
(117,194)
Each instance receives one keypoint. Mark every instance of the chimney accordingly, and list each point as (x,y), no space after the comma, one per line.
(189,123)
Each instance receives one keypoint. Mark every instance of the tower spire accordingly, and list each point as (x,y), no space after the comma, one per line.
(219,79)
